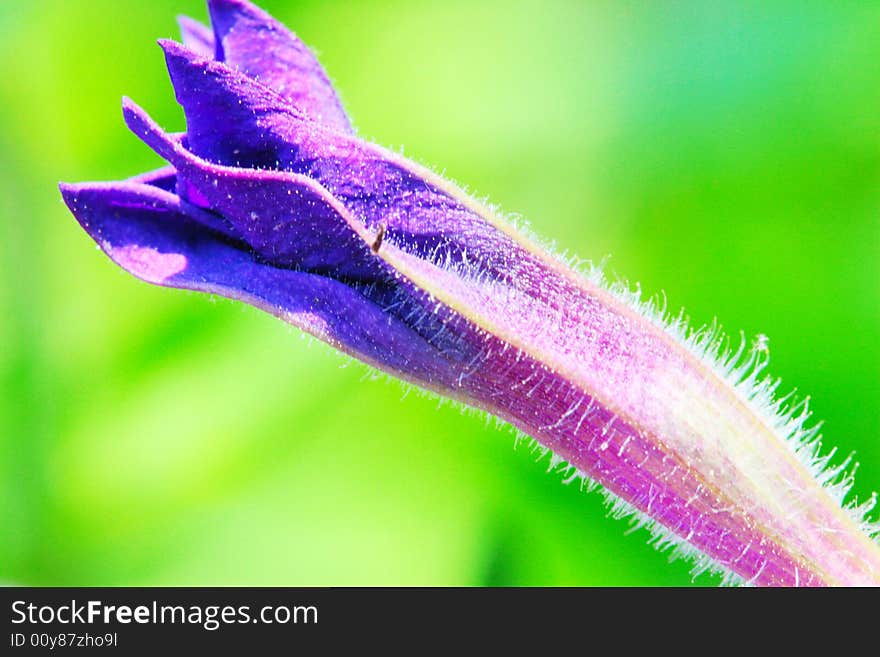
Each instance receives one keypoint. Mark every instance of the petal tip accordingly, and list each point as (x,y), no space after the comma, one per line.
(181,62)
(170,46)
(128,105)
(133,115)
(197,36)
(224,10)
(70,193)
(147,130)
(180,52)
(76,198)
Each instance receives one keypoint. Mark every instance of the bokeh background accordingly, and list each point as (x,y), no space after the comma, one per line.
(727,153)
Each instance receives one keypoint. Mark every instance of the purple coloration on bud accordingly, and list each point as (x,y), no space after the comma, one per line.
(271,199)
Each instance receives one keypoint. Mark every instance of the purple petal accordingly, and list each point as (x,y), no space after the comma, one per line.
(220,126)
(290,220)
(253,42)
(231,120)
(197,37)
(149,233)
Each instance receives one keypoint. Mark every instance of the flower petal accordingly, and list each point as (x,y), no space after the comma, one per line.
(196,36)
(151,234)
(253,42)
(221,125)
(289,219)
(233,121)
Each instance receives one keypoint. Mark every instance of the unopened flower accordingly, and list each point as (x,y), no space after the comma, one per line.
(270,198)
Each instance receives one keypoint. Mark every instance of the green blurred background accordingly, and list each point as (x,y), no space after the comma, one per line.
(727,153)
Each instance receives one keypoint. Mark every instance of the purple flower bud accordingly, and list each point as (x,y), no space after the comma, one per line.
(270,198)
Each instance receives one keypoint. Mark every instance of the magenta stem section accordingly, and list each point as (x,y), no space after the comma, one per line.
(627,460)
(630,464)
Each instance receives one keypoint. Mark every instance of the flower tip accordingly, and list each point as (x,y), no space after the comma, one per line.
(171,47)
(69,192)
(196,36)
(128,104)
(133,114)
(74,196)
(140,123)
(227,14)
(190,25)
(225,11)
(178,53)
(181,59)
(187,23)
